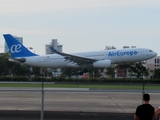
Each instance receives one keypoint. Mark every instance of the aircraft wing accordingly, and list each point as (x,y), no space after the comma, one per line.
(74,58)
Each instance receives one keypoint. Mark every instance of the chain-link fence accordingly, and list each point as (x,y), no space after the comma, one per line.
(71,103)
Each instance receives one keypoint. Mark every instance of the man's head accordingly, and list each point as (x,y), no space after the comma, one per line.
(146,97)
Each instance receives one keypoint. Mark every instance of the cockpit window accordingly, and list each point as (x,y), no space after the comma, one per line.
(150,51)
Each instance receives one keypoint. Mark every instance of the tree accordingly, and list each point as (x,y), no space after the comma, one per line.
(111,71)
(156,73)
(10,68)
(68,72)
(94,72)
(5,64)
(140,70)
(135,69)
(128,67)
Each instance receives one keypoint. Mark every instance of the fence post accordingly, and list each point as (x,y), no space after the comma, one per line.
(42,102)
(143,91)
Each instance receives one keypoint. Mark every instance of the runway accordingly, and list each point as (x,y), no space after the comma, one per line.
(76,100)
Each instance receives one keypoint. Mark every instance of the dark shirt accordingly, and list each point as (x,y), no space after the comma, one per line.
(145,112)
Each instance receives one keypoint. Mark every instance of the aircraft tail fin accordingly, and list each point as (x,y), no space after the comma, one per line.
(16,48)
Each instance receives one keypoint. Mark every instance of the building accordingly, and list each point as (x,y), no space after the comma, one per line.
(6,49)
(125,47)
(121,73)
(109,47)
(129,47)
(152,64)
(53,44)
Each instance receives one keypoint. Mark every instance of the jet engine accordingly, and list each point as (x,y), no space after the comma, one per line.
(102,64)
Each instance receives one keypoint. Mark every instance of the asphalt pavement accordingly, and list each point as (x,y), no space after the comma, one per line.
(50,115)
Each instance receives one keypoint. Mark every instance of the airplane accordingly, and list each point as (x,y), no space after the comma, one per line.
(96,59)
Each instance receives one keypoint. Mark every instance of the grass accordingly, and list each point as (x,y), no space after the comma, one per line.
(91,86)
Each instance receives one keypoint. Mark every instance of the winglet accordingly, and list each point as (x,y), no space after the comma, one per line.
(54,50)
(16,48)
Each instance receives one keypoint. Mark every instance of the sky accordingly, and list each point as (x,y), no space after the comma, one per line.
(82,25)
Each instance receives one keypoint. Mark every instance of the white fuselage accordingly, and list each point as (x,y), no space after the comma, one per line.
(116,56)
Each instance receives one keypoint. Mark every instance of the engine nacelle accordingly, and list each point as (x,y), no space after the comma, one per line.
(102,64)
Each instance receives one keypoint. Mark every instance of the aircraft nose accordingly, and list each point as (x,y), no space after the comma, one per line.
(155,54)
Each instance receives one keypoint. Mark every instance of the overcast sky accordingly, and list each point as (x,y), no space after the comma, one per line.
(82,25)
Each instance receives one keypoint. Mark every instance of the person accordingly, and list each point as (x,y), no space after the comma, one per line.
(157,113)
(146,110)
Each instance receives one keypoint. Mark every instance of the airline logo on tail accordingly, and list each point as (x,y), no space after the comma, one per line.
(16,48)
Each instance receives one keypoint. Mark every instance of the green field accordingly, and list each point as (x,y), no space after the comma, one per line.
(90,86)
